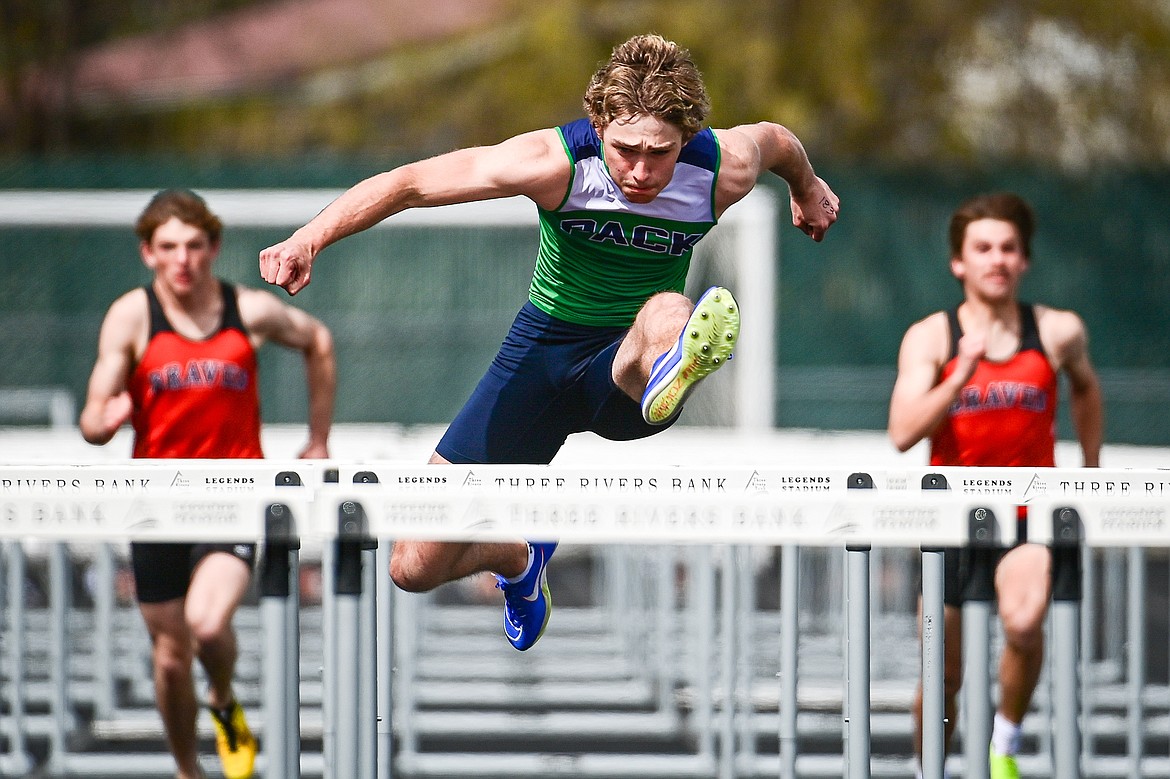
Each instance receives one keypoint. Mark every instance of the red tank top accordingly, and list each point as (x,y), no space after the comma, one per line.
(1006,413)
(196,399)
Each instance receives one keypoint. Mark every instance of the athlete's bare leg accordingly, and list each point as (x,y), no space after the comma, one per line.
(172,652)
(419,566)
(655,331)
(218,584)
(952,676)
(1023,587)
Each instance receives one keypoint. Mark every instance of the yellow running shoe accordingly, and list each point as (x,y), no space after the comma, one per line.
(702,347)
(234,741)
(1003,766)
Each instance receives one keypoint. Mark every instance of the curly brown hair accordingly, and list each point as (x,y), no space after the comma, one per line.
(649,76)
(184,205)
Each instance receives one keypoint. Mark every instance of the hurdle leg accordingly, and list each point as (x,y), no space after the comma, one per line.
(665,649)
(789,635)
(933,709)
(701,582)
(407,624)
(347,589)
(1135,657)
(1065,614)
(978,712)
(384,618)
(17,761)
(59,600)
(292,665)
(727,664)
(276,589)
(1088,650)
(103,611)
(745,626)
(857,701)
(368,629)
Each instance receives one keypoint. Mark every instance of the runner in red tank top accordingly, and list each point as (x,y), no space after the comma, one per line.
(980,381)
(196,398)
(1005,413)
(177,358)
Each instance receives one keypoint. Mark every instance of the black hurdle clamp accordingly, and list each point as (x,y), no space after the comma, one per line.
(1068,533)
(280,539)
(288,479)
(859,481)
(351,536)
(983,543)
(367,477)
(934,481)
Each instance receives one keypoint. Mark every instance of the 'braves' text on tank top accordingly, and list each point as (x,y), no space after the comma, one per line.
(1006,413)
(197,399)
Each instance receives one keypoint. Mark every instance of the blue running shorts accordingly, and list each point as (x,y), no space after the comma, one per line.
(550,378)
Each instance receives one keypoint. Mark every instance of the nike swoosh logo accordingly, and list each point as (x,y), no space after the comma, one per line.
(531,597)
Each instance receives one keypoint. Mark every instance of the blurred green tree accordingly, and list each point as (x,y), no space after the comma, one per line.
(1066,85)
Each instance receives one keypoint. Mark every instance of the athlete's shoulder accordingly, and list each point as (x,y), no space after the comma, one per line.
(130,306)
(936,322)
(256,304)
(1057,321)
(1061,330)
(580,139)
(928,339)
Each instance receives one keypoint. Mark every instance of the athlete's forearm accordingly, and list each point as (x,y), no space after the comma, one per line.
(915,416)
(785,156)
(1089,420)
(321,377)
(362,206)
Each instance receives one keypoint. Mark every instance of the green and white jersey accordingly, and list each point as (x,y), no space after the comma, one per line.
(601,257)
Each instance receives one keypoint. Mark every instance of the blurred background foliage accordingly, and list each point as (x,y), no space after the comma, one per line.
(1073,86)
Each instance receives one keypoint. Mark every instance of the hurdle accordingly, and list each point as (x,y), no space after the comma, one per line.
(148,500)
(692,507)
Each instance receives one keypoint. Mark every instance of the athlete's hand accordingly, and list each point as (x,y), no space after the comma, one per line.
(972,349)
(314,451)
(117,411)
(815,211)
(288,264)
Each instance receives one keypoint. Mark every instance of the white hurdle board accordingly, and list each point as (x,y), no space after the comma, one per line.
(923,506)
(151,500)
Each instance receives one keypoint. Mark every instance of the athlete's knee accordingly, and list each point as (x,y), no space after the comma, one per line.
(171,660)
(210,630)
(1023,629)
(409,571)
(670,306)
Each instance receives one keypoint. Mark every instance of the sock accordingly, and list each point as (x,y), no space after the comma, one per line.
(527,568)
(1005,735)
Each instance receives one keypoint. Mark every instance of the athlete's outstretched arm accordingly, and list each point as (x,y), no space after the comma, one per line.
(750,149)
(532,164)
